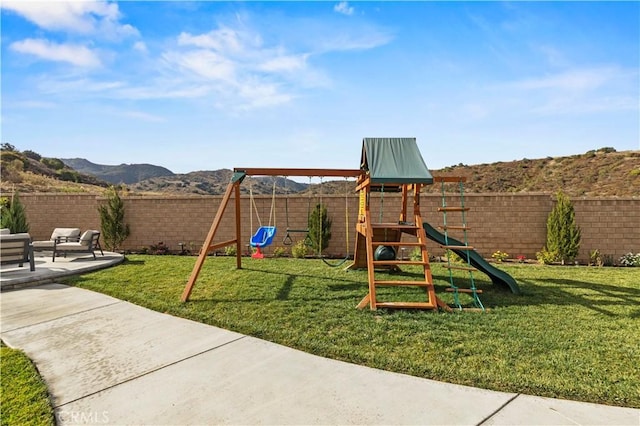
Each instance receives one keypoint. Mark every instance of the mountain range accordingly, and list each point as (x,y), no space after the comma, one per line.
(602,172)
(124,173)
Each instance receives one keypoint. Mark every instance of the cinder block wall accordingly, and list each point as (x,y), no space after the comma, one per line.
(514,223)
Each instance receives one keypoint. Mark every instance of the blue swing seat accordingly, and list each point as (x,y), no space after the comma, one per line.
(263,236)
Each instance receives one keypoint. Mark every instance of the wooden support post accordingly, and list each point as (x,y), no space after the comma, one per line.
(238,229)
(403,212)
(370,267)
(207,243)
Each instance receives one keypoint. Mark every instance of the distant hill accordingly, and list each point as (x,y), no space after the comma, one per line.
(214,183)
(27,171)
(602,172)
(124,173)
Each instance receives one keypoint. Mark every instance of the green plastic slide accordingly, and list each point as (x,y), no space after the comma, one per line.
(497,276)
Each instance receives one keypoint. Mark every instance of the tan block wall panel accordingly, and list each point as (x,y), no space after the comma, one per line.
(515,223)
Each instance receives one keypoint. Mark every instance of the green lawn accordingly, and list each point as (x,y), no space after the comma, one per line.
(24,399)
(573,333)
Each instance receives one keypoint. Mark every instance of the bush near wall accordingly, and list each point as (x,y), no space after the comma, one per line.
(512,223)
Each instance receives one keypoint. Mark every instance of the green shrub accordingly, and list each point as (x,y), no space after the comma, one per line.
(13,215)
(32,155)
(158,249)
(69,175)
(500,256)
(546,257)
(595,258)
(454,258)
(114,230)
(319,228)
(563,233)
(53,163)
(230,250)
(630,259)
(607,149)
(5,146)
(279,252)
(299,250)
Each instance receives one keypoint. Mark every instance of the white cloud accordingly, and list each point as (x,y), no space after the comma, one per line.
(163,90)
(223,39)
(262,95)
(344,8)
(284,63)
(243,68)
(140,46)
(76,17)
(237,68)
(73,54)
(139,115)
(342,41)
(578,91)
(204,63)
(239,65)
(571,80)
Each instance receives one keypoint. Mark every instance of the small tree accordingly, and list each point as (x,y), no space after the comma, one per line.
(13,215)
(114,230)
(563,233)
(319,228)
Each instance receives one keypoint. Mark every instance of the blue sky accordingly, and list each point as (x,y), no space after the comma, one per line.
(208,85)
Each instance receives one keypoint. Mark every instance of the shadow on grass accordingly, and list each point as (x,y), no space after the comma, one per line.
(594,296)
(133,262)
(286,285)
(285,290)
(336,288)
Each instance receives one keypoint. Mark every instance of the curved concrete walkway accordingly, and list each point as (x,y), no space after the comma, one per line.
(107,361)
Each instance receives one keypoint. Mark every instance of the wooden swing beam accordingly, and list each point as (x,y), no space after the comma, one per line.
(256,171)
(234,189)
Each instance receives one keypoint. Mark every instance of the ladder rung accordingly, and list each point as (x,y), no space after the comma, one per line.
(463,290)
(399,262)
(396,243)
(412,305)
(453,209)
(404,283)
(461,268)
(457,228)
(458,247)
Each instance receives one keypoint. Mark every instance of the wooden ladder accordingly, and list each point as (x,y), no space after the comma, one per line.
(376,235)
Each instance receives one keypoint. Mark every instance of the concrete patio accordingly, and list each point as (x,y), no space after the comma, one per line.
(107,361)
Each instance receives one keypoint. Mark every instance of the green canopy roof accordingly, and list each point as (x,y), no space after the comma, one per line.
(394,160)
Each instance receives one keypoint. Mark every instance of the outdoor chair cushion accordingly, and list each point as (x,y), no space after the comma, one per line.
(89,242)
(59,235)
(16,248)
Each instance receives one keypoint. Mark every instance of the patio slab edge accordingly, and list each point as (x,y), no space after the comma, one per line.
(25,278)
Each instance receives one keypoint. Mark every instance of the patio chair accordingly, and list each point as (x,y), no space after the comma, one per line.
(89,242)
(16,248)
(59,235)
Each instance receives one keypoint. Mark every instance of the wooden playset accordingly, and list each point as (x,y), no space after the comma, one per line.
(387,165)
